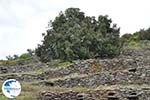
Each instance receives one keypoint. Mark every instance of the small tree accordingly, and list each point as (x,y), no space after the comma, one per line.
(75,36)
(9,57)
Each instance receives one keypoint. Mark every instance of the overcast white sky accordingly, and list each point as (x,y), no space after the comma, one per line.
(23,21)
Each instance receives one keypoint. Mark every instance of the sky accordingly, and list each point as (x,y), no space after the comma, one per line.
(22,22)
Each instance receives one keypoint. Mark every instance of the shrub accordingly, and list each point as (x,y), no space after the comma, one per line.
(25,56)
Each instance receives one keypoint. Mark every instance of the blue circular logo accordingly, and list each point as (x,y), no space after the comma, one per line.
(11,88)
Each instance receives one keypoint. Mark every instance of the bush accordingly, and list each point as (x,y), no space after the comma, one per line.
(140,38)
(25,56)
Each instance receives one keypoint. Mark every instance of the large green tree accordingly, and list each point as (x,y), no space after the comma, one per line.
(72,35)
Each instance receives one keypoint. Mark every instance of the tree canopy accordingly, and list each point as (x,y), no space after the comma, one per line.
(72,35)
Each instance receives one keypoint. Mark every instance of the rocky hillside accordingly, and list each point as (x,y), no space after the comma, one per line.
(126,77)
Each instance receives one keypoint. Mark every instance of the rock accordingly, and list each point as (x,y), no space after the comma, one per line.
(64,96)
(115,94)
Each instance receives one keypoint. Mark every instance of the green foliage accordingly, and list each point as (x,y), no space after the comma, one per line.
(144,34)
(72,35)
(64,63)
(137,39)
(125,38)
(132,43)
(25,56)
(15,57)
(140,43)
(9,57)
